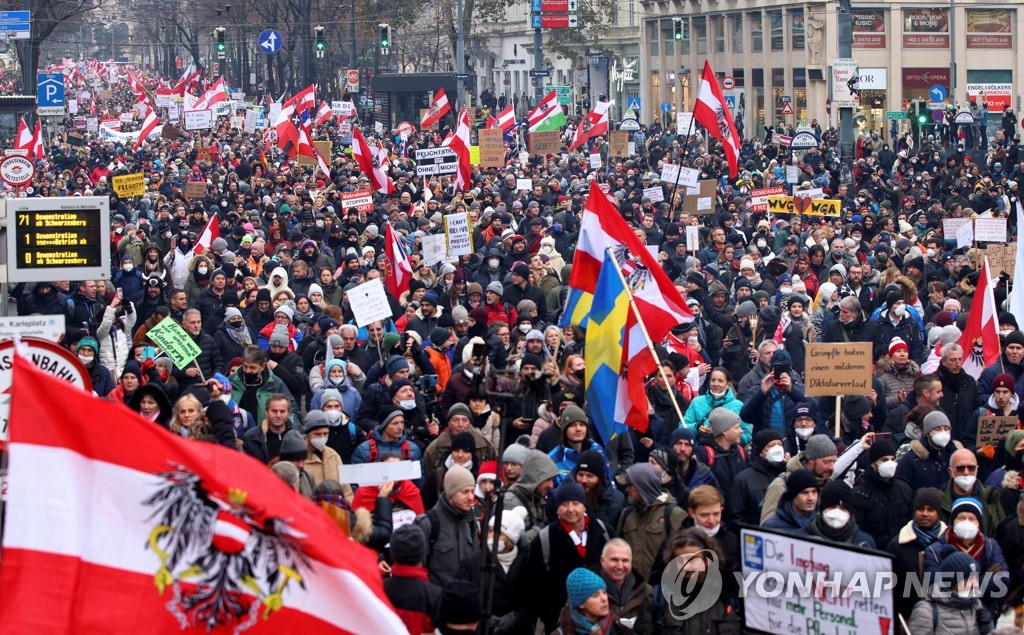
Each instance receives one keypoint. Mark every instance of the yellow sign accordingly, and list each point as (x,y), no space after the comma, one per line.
(129,185)
(803,205)
(474,155)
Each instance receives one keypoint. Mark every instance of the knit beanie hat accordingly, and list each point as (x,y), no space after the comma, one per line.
(818,447)
(457,478)
(1003,380)
(464,441)
(581,584)
(408,545)
(763,438)
(314,419)
(396,364)
(721,419)
(460,604)
(1014,337)
(397,385)
(966,504)
(682,434)
(132,367)
(836,494)
(798,481)
(515,453)
(592,462)
(459,408)
(293,446)
(932,420)
(880,448)
(856,406)
(279,336)
(896,344)
(570,414)
(1013,437)
(439,336)
(513,523)
(329,395)
(569,490)
(285,309)
(928,496)
(958,563)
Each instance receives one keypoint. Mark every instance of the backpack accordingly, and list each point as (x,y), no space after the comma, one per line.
(375,450)
(711,455)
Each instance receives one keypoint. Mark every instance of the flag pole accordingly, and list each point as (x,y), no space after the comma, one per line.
(647,336)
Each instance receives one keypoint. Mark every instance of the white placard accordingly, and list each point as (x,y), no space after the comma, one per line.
(965,236)
(72,106)
(126,117)
(595,161)
(524,184)
(174,112)
(92,124)
(704,203)
(343,108)
(369,302)
(669,173)
(273,112)
(378,127)
(656,194)
(792,174)
(951,225)
(814,192)
(251,118)
(376,473)
(47,327)
(237,122)
(672,174)
(689,177)
(692,238)
(684,123)
(198,119)
(163,101)
(524,157)
(630,149)
(990,230)
(460,241)
(765,555)
(435,249)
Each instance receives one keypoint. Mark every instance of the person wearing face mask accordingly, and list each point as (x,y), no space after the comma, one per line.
(924,465)
(966,535)
(767,460)
(322,462)
(895,322)
(233,334)
(953,605)
(924,529)
(102,382)
(130,281)
(834,521)
(881,501)
(963,483)
(1011,362)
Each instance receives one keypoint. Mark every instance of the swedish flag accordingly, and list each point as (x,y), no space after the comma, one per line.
(606,387)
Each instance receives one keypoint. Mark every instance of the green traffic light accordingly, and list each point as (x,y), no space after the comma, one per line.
(922,119)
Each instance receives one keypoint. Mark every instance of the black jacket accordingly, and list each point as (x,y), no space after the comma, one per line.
(510,589)
(747,491)
(882,506)
(209,361)
(960,402)
(860,330)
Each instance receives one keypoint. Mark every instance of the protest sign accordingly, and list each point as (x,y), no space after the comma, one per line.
(792,174)
(595,161)
(362,200)
(669,173)
(460,241)
(128,185)
(656,194)
(692,238)
(325,151)
(840,368)
(170,132)
(951,225)
(823,587)
(964,236)
(619,144)
(76,140)
(175,342)
(992,430)
(251,117)
(545,142)
(524,184)
(812,192)
(373,474)
(195,189)
(474,155)
(801,205)
(703,202)
(369,302)
(687,177)
(198,119)
(990,230)
(492,147)
(435,248)
(1002,258)
(684,123)
(759,197)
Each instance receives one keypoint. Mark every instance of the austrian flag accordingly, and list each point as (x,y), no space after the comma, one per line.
(186,536)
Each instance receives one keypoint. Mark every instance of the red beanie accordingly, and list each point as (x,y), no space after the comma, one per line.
(896,344)
(1005,380)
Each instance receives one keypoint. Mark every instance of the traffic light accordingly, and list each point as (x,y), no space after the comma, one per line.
(677,26)
(320,44)
(385,36)
(218,37)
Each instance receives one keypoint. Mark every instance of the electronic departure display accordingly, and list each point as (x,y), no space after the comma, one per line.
(58,239)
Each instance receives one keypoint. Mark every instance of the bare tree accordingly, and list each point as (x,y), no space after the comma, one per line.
(47,15)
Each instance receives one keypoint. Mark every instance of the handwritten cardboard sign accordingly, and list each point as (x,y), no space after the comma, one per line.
(127,185)
(620,144)
(460,240)
(1002,258)
(838,368)
(545,142)
(195,189)
(492,147)
(992,430)
(175,342)
(702,202)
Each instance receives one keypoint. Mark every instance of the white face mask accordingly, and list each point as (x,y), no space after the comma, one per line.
(966,483)
(318,443)
(226,399)
(493,263)
(407,404)
(502,544)
(1005,332)
(717,395)
(805,433)
(940,439)
(775,454)
(887,469)
(128,267)
(899,310)
(692,341)
(525,327)
(711,532)
(836,518)
(333,416)
(86,359)
(912,432)
(546,249)
(202,270)
(965,529)
(786,290)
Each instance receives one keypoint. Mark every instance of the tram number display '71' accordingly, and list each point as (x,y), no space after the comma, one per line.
(65,238)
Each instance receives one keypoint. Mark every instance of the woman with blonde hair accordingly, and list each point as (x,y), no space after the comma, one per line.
(188,419)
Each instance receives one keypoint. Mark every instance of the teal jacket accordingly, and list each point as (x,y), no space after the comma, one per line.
(697,414)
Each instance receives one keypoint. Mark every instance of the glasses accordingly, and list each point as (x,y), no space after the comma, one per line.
(965,468)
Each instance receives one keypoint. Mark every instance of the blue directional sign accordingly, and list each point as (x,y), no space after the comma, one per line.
(666,106)
(16,25)
(270,41)
(937,93)
(633,104)
(50,91)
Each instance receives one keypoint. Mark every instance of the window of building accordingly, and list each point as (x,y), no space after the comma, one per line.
(737,32)
(700,28)
(800,92)
(718,24)
(797,32)
(778,37)
(669,35)
(652,28)
(756,32)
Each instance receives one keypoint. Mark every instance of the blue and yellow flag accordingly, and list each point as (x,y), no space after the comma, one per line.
(607,393)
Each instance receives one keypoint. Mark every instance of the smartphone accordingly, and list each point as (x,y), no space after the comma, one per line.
(883,435)
(148,352)
(780,370)
(120,294)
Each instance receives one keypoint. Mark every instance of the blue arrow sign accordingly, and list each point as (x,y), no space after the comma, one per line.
(937,93)
(50,90)
(633,104)
(666,106)
(270,41)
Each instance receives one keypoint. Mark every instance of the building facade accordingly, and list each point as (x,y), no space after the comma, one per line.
(779,54)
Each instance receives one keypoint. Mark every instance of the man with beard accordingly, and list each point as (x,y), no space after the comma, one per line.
(604,501)
(286,365)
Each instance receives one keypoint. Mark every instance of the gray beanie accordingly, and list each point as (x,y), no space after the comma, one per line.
(279,336)
(334,340)
(932,420)
(314,419)
(515,453)
(721,419)
(329,395)
(818,447)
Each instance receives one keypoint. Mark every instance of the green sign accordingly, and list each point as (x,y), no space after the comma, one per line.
(175,342)
(899,114)
(564,93)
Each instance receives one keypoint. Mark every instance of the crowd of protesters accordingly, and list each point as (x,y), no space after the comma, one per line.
(588,525)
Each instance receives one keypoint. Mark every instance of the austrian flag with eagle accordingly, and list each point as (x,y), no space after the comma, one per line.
(116,525)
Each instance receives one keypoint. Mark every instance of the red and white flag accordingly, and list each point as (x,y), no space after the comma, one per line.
(37,151)
(323,114)
(23,140)
(187,536)
(439,108)
(505,119)
(188,79)
(460,143)
(216,94)
(398,270)
(149,124)
(309,149)
(712,113)
(593,125)
(209,233)
(369,163)
(980,339)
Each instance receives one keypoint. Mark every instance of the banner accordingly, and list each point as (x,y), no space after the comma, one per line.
(362,200)
(127,185)
(175,342)
(926,28)
(868,28)
(801,205)
(989,29)
(997,96)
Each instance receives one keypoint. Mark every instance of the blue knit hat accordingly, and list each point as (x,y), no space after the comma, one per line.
(957,562)
(581,584)
(682,434)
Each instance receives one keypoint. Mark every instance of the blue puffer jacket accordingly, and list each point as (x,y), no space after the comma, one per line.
(565,459)
(363,452)
(697,414)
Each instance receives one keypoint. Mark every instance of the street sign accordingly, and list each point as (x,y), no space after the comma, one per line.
(16,25)
(270,41)
(964,117)
(462,76)
(543,73)
(896,114)
(630,124)
(16,170)
(434,161)
(937,93)
(730,102)
(786,99)
(937,115)
(728,83)
(666,106)
(569,21)
(50,94)
(65,238)
(570,6)
(803,140)
(633,104)
(563,91)
(787,108)
(828,106)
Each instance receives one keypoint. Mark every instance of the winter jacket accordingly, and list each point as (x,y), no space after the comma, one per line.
(940,616)
(992,511)
(565,458)
(697,414)
(455,540)
(748,490)
(350,397)
(271,384)
(416,599)
(510,588)
(85,313)
(895,379)
(132,284)
(908,558)
(881,505)
(992,554)
(635,605)
(404,447)
(925,466)
(960,402)
(102,382)
(209,361)
(1011,540)
(860,330)
(114,335)
(787,520)
(441,447)
(907,329)
(646,532)
(762,410)
(725,464)
(988,375)
(254,442)
(229,349)
(537,468)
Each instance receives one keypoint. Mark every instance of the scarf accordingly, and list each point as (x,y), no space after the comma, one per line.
(926,536)
(449,462)
(578,539)
(584,625)
(843,534)
(239,335)
(976,551)
(506,559)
